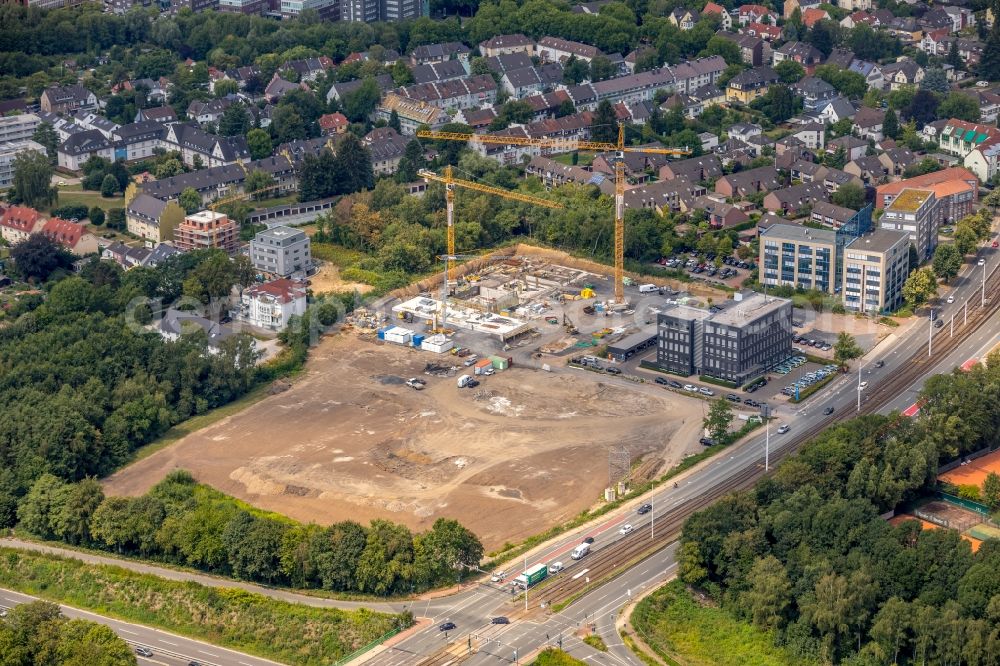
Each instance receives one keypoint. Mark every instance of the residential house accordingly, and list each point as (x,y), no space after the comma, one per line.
(766,31)
(904,72)
(795,200)
(333,123)
(308,69)
(67,99)
(272,304)
(90,120)
(386,146)
(854,148)
(138,141)
(743,131)
(805,54)
(222,181)
(17,223)
(750,84)
(504,44)
(553,174)
(160,253)
(684,18)
(831,215)
(411,113)
(834,179)
(72,236)
(743,183)
(896,160)
(814,92)
(473,92)
(242,75)
(339,90)
(278,87)
(664,196)
(813,135)
(836,109)
(281,252)
(960,138)
(871,71)
(428,54)
(906,29)
(806,171)
(813,15)
(209,111)
(152,219)
(753,50)
(529,81)
(157,114)
(689,75)
(855,5)
(867,123)
(477,119)
(556,49)
(80,147)
(842,58)
(176,323)
(198,147)
(854,19)
(726,21)
(869,169)
(125,256)
(755,14)
(721,215)
(989,103)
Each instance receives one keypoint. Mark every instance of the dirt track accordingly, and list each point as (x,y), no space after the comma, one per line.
(521,452)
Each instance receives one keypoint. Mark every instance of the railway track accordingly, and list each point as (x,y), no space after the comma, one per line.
(605,563)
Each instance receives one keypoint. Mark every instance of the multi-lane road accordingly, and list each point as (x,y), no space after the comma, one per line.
(472,609)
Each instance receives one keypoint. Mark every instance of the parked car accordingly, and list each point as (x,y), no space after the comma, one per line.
(673,383)
(732,397)
(706,441)
(661,381)
(613,371)
(645,508)
(446,626)
(691,387)
(879,364)
(416,383)
(706,391)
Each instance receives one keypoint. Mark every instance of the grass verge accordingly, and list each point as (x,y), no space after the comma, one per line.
(555,657)
(236,619)
(681,630)
(595,642)
(642,654)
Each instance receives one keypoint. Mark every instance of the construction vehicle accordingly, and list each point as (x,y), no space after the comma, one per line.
(568,325)
(567,144)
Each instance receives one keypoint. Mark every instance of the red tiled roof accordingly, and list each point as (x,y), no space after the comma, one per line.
(284,290)
(333,121)
(64,232)
(813,15)
(712,8)
(20,218)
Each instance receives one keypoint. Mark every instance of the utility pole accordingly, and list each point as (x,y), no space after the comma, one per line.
(930,332)
(952,333)
(527,584)
(652,511)
(859,386)
(982,300)
(965,317)
(767,443)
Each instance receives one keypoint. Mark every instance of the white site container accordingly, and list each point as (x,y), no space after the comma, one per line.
(399,335)
(437,344)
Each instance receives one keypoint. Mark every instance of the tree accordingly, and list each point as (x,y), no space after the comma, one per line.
(947,261)
(353,163)
(823,35)
(846,348)
(726,48)
(411,162)
(259,143)
(923,108)
(849,195)
(716,422)
(770,592)
(235,121)
(989,63)
(778,103)
(890,126)
(190,200)
(38,257)
(225,87)
(575,71)
(394,121)
(288,125)
(920,286)
(258,180)
(604,127)
(46,135)
(33,179)
(601,68)
(961,106)
(991,490)
(566,108)
(109,186)
(789,71)
(965,239)
(359,104)
(935,80)
(115,219)
(890,627)
(96,216)
(38,510)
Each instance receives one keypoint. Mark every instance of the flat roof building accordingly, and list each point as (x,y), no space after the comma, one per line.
(875,268)
(915,212)
(207,229)
(281,252)
(742,341)
(798,257)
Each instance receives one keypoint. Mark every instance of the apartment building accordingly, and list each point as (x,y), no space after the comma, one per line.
(8,153)
(272,304)
(874,269)
(281,252)
(18,128)
(798,257)
(916,213)
(207,229)
(741,342)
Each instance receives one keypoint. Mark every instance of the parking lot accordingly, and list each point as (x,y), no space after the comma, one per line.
(732,271)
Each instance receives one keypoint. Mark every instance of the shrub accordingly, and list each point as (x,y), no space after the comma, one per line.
(69,211)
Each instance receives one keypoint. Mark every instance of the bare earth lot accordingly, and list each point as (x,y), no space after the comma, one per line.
(349,440)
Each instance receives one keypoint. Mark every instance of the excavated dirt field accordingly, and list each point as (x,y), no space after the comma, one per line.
(349,440)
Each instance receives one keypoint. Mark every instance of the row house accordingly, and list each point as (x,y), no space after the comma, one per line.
(694,104)
(73,236)
(81,146)
(696,169)
(830,215)
(242,75)
(161,114)
(568,129)
(664,196)
(694,74)
(95,122)
(308,69)
(556,49)
(222,181)
(753,50)
(855,19)
(411,113)
(197,146)
(125,256)
(67,99)
(509,61)
(795,200)
(138,141)
(554,174)
(339,90)
(475,91)
(720,214)
(744,183)
(428,54)
(531,80)
(440,71)
(505,44)
(547,105)
(386,147)
(869,168)
(960,138)
(478,119)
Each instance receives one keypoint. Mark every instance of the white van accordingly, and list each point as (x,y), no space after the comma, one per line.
(648,288)
(556,567)
(580,551)
(464,380)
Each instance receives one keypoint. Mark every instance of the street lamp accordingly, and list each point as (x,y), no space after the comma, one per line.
(860,368)
(982,299)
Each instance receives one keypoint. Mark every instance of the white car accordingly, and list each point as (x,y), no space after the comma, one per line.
(782,429)
(626,529)
(416,383)
(706,391)
(555,567)
(691,387)
(981,262)
(862,386)
(498,576)
(951,299)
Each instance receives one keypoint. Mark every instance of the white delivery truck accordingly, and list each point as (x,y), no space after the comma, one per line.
(580,551)
(464,380)
(648,288)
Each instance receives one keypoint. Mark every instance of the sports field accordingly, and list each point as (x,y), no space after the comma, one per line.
(975,472)
(924,524)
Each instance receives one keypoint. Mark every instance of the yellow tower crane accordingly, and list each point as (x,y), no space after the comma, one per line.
(619,149)
(450,183)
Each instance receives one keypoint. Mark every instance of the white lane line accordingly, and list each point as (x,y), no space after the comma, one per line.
(209,654)
(126,631)
(167,642)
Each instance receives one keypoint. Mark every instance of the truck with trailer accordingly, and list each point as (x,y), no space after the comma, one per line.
(532,575)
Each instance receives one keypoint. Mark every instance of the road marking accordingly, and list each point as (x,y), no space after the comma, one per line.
(126,631)
(580,574)
(243,663)
(209,654)
(167,642)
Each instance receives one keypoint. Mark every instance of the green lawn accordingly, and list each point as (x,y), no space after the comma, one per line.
(682,630)
(554,657)
(567,158)
(75,195)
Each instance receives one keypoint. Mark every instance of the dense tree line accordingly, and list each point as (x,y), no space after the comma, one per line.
(83,384)
(182,522)
(806,555)
(37,633)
